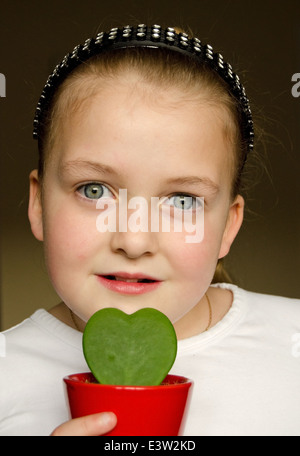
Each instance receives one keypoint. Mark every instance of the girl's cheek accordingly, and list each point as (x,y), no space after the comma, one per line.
(196,259)
(69,237)
(187,256)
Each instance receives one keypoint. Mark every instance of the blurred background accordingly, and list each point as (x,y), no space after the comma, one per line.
(262,41)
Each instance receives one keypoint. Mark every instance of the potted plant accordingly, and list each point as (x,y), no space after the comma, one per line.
(130,357)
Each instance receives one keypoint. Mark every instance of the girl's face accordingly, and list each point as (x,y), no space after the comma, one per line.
(151,145)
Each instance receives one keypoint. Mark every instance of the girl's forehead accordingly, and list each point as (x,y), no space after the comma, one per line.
(130,130)
(124,99)
(132,109)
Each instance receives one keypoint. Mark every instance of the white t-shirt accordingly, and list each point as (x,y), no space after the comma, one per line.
(246,371)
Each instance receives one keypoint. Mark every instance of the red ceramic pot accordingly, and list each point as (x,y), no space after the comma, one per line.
(141,410)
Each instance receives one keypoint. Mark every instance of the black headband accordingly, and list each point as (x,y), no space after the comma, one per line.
(147,37)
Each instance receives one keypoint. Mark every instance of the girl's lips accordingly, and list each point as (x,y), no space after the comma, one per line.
(125,283)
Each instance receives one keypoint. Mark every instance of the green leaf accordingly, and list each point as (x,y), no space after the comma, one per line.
(136,349)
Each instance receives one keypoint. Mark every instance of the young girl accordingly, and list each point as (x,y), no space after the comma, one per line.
(162,116)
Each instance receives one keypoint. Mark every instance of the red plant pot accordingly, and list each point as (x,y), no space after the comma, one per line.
(141,410)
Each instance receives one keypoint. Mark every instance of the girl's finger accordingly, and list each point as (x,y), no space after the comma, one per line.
(91,425)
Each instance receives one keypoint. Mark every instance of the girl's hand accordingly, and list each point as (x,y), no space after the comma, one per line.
(91,425)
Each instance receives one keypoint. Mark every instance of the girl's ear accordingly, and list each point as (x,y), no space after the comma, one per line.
(233,224)
(35,213)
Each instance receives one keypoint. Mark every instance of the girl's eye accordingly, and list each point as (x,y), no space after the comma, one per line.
(94,191)
(184,202)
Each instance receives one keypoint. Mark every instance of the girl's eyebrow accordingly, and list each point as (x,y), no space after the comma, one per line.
(75,166)
(195,181)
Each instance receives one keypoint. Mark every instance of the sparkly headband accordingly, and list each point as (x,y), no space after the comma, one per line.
(153,37)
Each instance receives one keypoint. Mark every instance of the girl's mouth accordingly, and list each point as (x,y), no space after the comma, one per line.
(123,279)
(125,283)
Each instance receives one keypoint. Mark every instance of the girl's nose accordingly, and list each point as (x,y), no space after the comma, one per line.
(134,244)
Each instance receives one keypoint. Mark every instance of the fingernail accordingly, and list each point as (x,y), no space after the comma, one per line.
(106,418)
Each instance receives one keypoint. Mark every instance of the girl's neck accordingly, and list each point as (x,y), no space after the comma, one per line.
(65,315)
(193,323)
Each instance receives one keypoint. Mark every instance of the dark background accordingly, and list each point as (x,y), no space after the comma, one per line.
(262,41)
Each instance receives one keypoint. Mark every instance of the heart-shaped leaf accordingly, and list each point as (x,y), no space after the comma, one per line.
(136,349)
